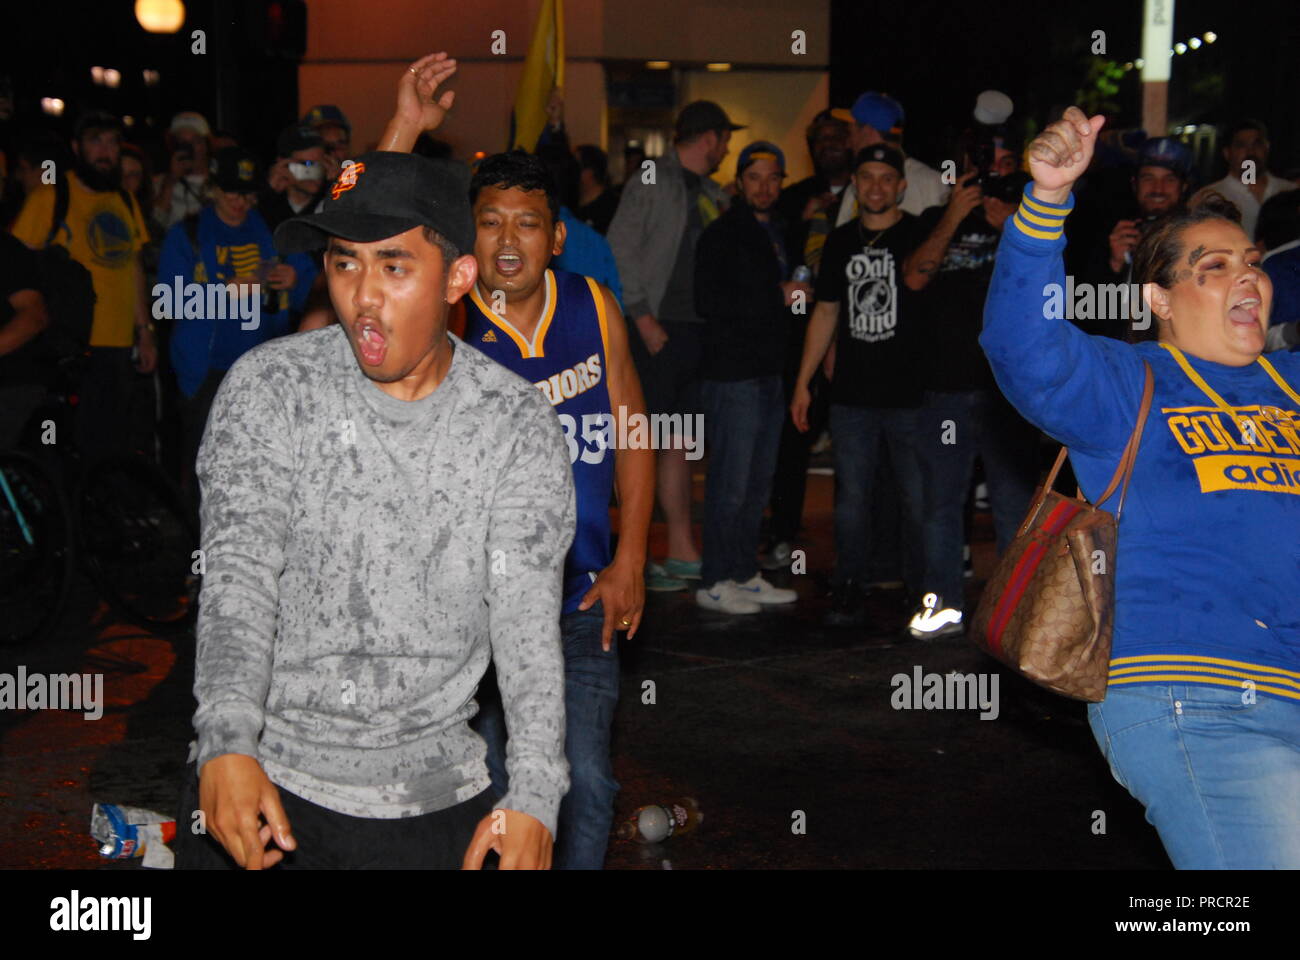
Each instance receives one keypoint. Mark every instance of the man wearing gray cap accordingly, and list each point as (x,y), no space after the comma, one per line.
(660,217)
(384,509)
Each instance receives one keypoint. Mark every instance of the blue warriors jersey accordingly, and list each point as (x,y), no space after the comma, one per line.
(566,360)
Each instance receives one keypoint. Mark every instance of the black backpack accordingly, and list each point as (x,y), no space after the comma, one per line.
(68,287)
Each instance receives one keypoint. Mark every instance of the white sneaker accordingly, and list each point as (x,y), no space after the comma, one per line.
(760,591)
(725,598)
(934,620)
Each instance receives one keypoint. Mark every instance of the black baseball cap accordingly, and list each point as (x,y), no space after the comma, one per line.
(95,120)
(701,117)
(234,170)
(382,194)
(881,153)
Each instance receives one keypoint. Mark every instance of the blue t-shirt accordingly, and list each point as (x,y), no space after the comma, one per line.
(588,253)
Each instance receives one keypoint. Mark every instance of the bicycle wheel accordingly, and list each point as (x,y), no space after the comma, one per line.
(35,550)
(138,543)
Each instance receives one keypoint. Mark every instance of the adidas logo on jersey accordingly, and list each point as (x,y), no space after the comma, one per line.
(489,337)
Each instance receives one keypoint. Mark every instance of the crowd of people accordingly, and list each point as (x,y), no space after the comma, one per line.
(851,303)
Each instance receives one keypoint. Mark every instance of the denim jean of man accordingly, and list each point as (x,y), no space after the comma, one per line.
(590,696)
(742,422)
(1219,775)
(952,428)
(857,438)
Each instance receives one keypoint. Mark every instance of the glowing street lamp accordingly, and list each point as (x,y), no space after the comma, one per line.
(160,16)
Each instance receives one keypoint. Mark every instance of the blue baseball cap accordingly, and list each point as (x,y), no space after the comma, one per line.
(1168,153)
(882,113)
(758,150)
(326,114)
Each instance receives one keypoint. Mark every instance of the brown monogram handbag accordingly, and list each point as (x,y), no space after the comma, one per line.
(1048,609)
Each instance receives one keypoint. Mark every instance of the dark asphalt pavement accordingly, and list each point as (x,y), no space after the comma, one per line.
(770,721)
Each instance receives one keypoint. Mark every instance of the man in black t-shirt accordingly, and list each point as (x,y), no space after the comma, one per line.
(964,413)
(864,304)
(22,319)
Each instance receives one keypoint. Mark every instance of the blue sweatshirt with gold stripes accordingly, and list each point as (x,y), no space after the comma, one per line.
(1207,577)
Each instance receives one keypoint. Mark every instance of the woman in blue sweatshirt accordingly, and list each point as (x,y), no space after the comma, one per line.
(1201,721)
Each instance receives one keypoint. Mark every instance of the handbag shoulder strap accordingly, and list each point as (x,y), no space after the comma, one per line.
(1124,470)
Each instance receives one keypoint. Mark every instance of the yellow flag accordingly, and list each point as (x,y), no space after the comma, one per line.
(543,72)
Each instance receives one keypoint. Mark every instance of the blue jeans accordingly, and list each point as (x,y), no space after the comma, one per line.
(1220,779)
(857,437)
(590,696)
(743,430)
(952,428)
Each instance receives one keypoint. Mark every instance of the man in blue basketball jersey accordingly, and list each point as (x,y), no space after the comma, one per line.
(564,333)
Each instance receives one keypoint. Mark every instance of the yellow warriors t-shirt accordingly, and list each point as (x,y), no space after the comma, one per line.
(104,237)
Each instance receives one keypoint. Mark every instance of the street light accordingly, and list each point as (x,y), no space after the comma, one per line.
(160,16)
(1210,36)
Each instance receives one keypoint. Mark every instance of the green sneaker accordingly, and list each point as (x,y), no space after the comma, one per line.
(682,569)
(658,581)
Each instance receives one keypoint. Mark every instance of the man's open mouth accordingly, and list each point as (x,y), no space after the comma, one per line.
(371,342)
(509,264)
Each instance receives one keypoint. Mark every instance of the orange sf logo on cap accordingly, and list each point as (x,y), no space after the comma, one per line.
(347,179)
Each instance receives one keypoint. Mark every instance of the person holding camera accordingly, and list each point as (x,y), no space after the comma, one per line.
(1160,186)
(963,414)
(1201,718)
(183,188)
(296,181)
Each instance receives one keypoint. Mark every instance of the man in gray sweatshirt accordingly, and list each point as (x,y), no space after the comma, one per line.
(384,508)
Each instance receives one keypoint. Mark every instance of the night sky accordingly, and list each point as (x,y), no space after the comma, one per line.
(933,55)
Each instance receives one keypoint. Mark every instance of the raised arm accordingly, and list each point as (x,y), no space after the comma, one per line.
(923,263)
(1081,390)
(419,107)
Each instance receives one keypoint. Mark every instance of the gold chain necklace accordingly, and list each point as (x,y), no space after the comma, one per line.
(862,235)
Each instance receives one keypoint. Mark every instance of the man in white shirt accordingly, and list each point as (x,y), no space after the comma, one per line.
(1248,184)
(878,118)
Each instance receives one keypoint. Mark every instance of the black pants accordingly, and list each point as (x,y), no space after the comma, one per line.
(103,427)
(335,841)
(790,481)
